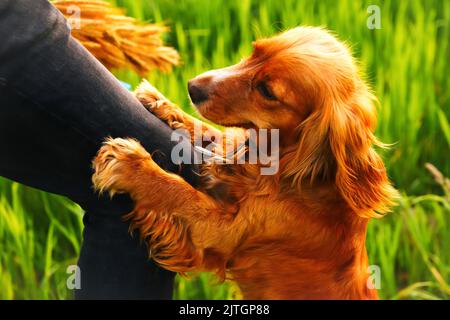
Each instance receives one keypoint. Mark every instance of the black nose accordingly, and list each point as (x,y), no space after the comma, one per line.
(197,93)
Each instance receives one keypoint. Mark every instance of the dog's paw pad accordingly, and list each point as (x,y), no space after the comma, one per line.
(148,95)
(114,163)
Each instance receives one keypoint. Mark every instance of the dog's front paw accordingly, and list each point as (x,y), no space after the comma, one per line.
(160,106)
(149,96)
(116,163)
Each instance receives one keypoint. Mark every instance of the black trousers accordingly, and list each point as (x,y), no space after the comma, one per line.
(57,104)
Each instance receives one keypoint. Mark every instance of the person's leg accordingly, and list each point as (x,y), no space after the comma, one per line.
(57,104)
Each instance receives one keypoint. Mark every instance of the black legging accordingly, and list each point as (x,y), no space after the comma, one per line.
(57,104)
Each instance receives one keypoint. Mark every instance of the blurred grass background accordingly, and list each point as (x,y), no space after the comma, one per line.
(408,64)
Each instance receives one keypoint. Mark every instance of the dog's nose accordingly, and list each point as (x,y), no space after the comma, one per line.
(197,92)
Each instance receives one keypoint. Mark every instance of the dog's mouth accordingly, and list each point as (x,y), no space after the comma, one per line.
(245,125)
(202,109)
(232,124)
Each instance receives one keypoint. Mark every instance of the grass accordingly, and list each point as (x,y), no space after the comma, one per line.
(406,63)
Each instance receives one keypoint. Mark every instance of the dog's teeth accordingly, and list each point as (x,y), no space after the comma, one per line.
(204,151)
(211,156)
(221,160)
(232,153)
(214,144)
(241,153)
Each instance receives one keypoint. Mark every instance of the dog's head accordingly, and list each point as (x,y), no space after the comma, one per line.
(306,83)
(283,82)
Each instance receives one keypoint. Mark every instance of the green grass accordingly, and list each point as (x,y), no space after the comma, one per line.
(407,63)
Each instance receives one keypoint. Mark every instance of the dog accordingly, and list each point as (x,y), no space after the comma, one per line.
(296,234)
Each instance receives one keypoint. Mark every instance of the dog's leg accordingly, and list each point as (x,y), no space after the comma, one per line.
(173,115)
(180,224)
(224,144)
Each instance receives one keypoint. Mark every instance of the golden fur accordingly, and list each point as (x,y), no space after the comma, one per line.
(298,234)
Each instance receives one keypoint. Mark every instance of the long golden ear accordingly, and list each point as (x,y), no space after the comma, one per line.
(361,175)
(336,145)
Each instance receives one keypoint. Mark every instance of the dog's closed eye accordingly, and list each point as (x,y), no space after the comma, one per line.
(265,91)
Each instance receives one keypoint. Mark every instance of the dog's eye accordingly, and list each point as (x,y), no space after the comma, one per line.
(265,91)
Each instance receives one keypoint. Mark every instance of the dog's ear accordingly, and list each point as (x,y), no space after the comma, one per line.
(360,172)
(335,144)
